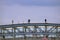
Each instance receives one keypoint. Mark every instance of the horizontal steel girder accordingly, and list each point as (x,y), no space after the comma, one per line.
(30,33)
(28,24)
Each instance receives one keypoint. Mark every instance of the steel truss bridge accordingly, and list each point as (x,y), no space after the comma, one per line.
(34,29)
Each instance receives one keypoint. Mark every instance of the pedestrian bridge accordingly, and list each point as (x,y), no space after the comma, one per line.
(30,30)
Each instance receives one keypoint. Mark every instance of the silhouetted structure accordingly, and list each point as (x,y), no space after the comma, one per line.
(28,20)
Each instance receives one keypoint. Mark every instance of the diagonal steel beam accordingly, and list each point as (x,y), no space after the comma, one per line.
(50,29)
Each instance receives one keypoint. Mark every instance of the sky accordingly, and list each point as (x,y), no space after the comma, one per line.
(35,10)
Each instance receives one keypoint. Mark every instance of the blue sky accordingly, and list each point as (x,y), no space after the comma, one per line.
(33,2)
(36,10)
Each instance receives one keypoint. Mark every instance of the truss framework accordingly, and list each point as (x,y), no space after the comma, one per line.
(33,29)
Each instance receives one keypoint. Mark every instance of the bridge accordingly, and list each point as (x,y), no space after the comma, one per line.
(34,29)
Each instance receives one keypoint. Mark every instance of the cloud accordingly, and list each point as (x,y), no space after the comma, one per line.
(34,2)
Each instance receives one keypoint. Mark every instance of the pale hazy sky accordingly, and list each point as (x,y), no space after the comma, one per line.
(36,10)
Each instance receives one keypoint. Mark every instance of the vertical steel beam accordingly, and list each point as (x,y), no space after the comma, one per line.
(25,32)
(3,34)
(13,33)
(45,26)
(35,31)
(56,33)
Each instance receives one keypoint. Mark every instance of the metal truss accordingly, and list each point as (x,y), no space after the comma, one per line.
(30,29)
